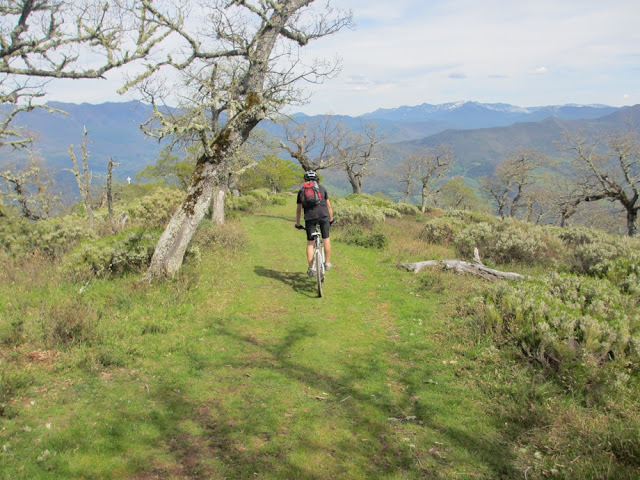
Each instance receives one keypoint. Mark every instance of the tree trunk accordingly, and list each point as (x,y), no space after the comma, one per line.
(425,196)
(217,205)
(407,194)
(354,180)
(632,217)
(110,193)
(459,266)
(169,253)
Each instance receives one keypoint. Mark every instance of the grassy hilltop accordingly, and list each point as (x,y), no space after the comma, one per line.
(234,369)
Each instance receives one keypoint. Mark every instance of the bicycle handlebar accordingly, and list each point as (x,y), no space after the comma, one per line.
(302,227)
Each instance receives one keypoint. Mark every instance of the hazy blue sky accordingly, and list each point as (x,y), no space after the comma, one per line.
(526,53)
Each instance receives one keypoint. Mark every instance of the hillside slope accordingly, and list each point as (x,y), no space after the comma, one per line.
(237,370)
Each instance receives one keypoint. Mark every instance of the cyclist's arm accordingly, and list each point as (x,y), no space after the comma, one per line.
(298,213)
(330,210)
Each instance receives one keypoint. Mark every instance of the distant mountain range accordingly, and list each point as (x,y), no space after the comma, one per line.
(480,134)
(481,115)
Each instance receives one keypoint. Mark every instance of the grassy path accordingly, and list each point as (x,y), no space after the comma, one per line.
(244,373)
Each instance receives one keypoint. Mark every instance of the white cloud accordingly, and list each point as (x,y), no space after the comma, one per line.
(541,71)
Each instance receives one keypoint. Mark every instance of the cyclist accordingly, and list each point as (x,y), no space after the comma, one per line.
(321,214)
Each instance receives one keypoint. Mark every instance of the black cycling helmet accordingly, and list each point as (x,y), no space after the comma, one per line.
(310,175)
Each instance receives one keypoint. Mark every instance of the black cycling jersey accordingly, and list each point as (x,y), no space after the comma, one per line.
(319,211)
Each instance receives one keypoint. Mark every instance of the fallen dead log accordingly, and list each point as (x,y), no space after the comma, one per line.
(477,269)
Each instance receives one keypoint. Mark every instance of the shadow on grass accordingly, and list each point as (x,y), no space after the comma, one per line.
(298,281)
(277,217)
(243,432)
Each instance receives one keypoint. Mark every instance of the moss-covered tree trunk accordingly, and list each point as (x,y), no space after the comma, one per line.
(217,206)
(255,86)
(169,252)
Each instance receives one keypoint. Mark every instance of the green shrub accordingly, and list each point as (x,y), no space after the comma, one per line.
(354,235)
(252,200)
(471,216)
(259,194)
(129,251)
(368,211)
(442,230)
(52,237)
(359,215)
(229,236)
(406,208)
(509,241)
(582,329)
(603,255)
(155,209)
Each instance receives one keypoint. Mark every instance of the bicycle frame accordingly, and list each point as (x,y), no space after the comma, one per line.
(318,258)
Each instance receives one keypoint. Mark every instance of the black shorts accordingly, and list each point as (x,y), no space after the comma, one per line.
(310,227)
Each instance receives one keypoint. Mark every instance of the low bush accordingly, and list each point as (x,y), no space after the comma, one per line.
(51,237)
(252,200)
(509,242)
(582,329)
(367,211)
(128,251)
(354,235)
(229,236)
(471,216)
(442,230)
(602,255)
(154,209)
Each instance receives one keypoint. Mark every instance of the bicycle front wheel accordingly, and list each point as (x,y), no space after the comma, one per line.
(317,260)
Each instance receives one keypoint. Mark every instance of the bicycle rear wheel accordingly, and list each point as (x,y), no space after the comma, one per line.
(317,260)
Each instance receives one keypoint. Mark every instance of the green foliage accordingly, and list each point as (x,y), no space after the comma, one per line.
(170,169)
(52,237)
(455,194)
(253,201)
(509,242)
(603,255)
(472,216)
(584,330)
(411,385)
(129,251)
(355,235)
(155,209)
(229,237)
(273,173)
(11,381)
(442,230)
(367,211)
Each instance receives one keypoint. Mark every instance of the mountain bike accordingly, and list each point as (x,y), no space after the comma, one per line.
(318,258)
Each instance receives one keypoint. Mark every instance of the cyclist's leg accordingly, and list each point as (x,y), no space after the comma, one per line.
(327,250)
(310,227)
(310,252)
(324,228)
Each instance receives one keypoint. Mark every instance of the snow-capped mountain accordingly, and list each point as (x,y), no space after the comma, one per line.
(466,114)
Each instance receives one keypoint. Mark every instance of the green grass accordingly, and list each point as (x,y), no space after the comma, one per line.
(235,369)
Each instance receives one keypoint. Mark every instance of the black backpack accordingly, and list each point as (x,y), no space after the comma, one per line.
(311,194)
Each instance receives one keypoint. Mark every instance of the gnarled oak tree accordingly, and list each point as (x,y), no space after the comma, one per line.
(238,67)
